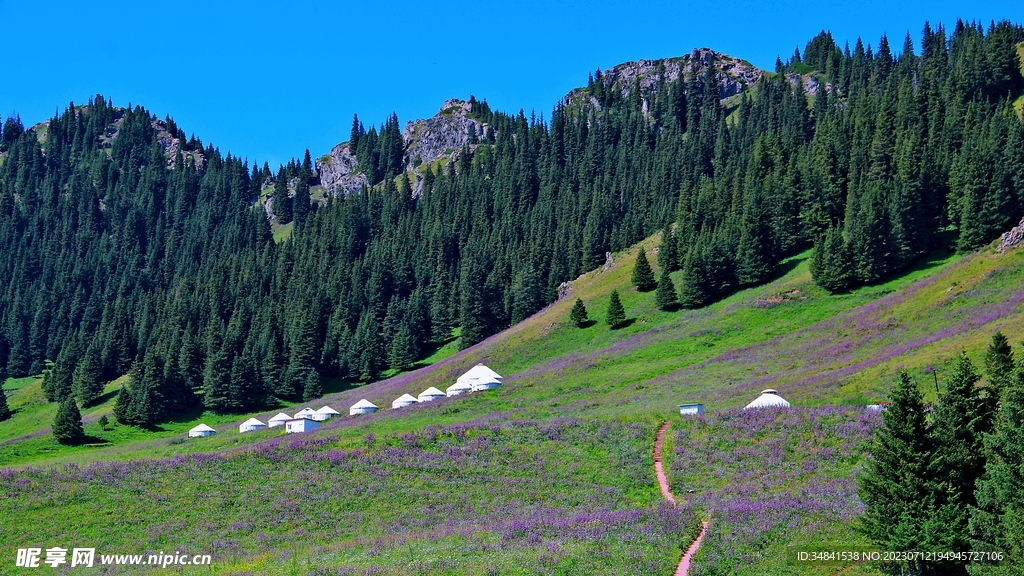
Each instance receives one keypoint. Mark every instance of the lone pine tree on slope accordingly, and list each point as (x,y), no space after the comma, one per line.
(578,314)
(616,313)
(643,276)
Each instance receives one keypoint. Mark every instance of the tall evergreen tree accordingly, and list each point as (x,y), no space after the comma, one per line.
(616,314)
(643,275)
(67,423)
(997,522)
(282,205)
(999,365)
(87,383)
(898,485)
(312,388)
(578,314)
(665,297)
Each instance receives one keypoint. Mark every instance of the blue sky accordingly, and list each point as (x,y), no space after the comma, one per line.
(266,80)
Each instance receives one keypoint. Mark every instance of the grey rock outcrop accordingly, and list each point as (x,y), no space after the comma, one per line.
(734,75)
(339,171)
(443,135)
(1013,237)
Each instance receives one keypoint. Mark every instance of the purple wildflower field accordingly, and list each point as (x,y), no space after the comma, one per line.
(769,479)
(512,497)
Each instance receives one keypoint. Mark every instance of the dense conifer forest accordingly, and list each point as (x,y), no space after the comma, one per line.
(121,260)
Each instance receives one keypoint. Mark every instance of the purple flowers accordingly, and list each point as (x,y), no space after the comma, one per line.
(552,494)
(769,479)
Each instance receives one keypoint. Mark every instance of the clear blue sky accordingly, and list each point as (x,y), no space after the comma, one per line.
(266,80)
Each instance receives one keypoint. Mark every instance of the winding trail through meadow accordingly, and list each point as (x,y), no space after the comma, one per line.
(659,470)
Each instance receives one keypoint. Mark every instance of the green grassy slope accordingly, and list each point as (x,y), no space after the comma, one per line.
(788,334)
(817,349)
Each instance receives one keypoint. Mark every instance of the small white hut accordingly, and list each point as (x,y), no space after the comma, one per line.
(278,420)
(485,383)
(305,413)
(430,394)
(325,413)
(200,431)
(404,400)
(769,398)
(362,407)
(458,388)
(296,425)
(251,425)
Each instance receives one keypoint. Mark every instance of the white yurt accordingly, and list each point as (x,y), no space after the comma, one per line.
(362,407)
(200,431)
(325,413)
(251,425)
(404,400)
(479,372)
(278,420)
(769,398)
(481,384)
(458,388)
(430,394)
(296,425)
(305,413)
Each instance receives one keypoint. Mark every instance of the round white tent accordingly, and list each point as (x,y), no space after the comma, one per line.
(482,384)
(362,407)
(278,420)
(200,431)
(430,394)
(305,413)
(404,400)
(458,388)
(325,413)
(479,372)
(769,398)
(251,425)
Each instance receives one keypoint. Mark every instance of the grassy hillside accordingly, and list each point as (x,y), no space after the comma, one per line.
(788,334)
(563,386)
(491,496)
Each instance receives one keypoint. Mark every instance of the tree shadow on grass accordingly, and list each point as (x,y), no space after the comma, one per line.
(103,398)
(624,324)
(586,324)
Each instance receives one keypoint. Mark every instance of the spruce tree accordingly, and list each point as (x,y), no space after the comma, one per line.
(86,381)
(312,388)
(643,276)
(997,522)
(897,486)
(665,297)
(831,262)
(67,423)
(960,420)
(695,290)
(668,255)
(999,365)
(282,205)
(616,313)
(578,314)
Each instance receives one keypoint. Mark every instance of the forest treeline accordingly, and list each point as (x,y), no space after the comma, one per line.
(122,261)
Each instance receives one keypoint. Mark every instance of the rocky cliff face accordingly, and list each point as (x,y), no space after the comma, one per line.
(426,141)
(443,135)
(339,171)
(734,75)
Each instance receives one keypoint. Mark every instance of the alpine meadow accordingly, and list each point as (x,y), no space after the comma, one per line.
(839,234)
